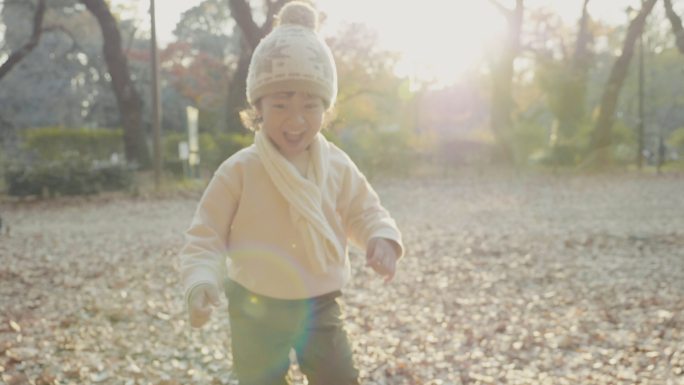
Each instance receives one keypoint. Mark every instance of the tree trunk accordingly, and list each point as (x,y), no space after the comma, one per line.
(252,35)
(602,135)
(501,121)
(573,88)
(676,23)
(127,98)
(21,53)
(237,98)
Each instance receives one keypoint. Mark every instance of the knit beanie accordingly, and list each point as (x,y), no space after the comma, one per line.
(293,58)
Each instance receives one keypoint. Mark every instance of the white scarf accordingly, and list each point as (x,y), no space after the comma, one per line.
(304,195)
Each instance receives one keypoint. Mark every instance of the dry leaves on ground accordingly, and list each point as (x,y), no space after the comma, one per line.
(507,279)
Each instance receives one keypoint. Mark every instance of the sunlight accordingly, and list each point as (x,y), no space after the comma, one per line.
(438,40)
(168,14)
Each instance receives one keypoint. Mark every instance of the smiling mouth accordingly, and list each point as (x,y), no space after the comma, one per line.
(293,138)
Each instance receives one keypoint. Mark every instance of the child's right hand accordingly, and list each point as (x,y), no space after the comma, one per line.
(201,302)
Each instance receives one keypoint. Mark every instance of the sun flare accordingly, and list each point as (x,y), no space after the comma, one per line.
(438,40)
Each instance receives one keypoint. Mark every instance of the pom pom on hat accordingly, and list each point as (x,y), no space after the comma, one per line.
(293,58)
(298,13)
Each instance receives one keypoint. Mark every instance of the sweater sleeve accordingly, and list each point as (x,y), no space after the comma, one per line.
(364,216)
(203,257)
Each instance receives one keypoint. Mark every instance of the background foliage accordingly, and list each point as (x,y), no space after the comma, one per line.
(390,123)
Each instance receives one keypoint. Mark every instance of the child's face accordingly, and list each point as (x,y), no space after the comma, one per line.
(291,120)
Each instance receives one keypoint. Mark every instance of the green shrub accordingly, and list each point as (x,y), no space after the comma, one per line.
(52,143)
(624,144)
(214,149)
(676,139)
(22,181)
(528,137)
(72,175)
(113,176)
(560,155)
(379,152)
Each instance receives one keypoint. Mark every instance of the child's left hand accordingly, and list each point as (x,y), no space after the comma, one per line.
(381,255)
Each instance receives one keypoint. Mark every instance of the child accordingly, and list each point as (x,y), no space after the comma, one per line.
(272,226)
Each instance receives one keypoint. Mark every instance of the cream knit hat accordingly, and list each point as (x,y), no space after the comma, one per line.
(293,58)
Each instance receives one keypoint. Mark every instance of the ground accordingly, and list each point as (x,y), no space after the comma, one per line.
(508,279)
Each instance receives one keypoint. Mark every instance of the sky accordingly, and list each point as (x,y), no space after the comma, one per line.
(438,39)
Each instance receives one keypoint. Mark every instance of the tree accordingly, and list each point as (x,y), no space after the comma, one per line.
(601,136)
(562,73)
(209,28)
(573,86)
(54,85)
(368,90)
(676,23)
(502,73)
(199,64)
(18,55)
(251,35)
(128,100)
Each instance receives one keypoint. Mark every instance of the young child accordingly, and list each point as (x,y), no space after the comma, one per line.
(271,229)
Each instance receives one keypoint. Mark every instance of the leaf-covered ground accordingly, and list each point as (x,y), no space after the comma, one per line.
(507,280)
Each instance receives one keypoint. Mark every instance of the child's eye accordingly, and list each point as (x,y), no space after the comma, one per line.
(312,106)
(279,106)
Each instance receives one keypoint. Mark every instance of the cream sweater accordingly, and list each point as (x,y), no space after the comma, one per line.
(243,229)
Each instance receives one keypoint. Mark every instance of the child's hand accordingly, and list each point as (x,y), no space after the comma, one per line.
(200,303)
(382,257)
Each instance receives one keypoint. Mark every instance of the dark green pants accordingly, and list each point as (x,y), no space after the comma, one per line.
(264,329)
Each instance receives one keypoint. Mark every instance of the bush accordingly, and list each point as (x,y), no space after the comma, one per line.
(52,143)
(624,144)
(379,152)
(560,155)
(113,176)
(214,149)
(528,138)
(71,175)
(676,140)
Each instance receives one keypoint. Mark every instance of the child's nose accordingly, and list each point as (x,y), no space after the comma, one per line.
(298,117)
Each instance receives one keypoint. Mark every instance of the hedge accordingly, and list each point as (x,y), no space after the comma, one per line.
(52,143)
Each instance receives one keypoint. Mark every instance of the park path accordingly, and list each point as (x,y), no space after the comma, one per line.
(515,279)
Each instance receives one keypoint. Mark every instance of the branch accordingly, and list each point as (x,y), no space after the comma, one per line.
(242,14)
(676,23)
(583,37)
(19,55)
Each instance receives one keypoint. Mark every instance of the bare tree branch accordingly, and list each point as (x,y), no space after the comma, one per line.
(676,23)
(242,14)
(21,53)
(583,38)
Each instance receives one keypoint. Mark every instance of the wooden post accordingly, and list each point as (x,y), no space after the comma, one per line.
(156,102)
